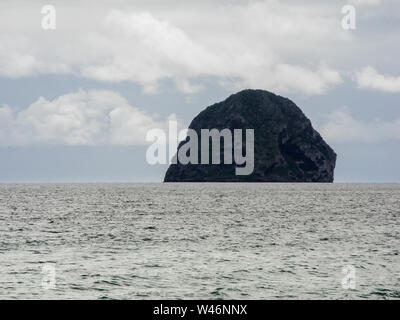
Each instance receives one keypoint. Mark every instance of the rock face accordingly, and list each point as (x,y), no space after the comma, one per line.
(286,147)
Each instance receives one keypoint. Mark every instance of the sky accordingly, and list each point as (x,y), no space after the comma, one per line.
(77,100)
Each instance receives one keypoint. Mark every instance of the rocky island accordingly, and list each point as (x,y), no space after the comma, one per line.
(286,146)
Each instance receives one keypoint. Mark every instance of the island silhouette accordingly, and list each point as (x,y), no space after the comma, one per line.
(286,146)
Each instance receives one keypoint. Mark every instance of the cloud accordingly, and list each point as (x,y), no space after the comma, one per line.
(267,45)
(295,77)
(94,117)
(365,2)
(342,128)
(369,78)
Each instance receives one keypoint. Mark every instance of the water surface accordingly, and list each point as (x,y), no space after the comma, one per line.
(199,241)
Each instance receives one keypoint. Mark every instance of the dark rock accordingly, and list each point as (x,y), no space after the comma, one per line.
(286,147)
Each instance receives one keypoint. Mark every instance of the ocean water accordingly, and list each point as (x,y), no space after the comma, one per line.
(199,241)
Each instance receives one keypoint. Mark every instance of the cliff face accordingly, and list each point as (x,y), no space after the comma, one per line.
(286,147)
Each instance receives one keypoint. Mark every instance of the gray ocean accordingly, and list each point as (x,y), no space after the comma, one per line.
(200,241)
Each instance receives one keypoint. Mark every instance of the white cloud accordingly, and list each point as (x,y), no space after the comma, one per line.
(266,45)
(342,127)
(365,2)
(369,78)
(95,117)
(295,77)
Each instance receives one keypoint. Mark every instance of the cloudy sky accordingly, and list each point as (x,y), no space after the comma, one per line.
(76,101)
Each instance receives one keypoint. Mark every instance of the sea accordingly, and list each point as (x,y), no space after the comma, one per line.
(200,241)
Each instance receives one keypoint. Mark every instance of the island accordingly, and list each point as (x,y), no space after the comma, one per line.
(286,146)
